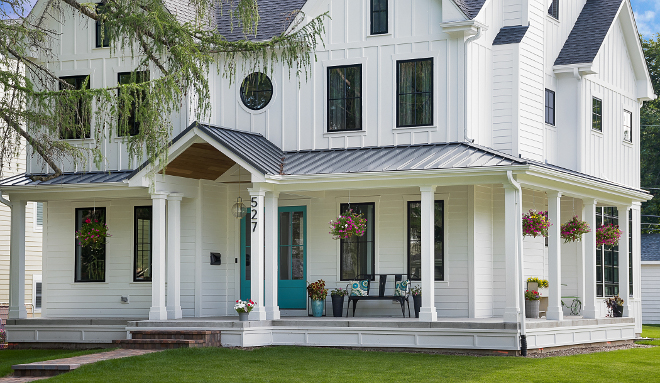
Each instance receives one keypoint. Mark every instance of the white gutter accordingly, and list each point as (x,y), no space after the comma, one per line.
(465,89)
(4,201)
(519,240)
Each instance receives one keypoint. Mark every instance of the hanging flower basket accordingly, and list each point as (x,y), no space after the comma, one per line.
(608,235)
(572,230)
(92,234)
(348,225)
(536,223)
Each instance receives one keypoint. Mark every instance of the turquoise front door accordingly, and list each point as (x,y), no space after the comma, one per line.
(292,258)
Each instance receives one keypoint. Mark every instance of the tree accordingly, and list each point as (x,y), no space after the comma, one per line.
(39,108)
(650,135)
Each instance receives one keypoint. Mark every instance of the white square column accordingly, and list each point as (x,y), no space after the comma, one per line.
(257,224)
(17,261)
(428,311)
(589,310)
(174,256)
(554,257)
(512,233)
(624,263)
(271,264)
(158,311)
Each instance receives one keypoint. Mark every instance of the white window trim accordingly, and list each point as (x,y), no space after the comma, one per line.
(239,82)
(390,20)
(37,279)
(626,113)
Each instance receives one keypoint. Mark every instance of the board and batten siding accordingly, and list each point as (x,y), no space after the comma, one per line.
(650,292)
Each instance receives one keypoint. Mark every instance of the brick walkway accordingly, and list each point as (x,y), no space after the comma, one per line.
(73,363)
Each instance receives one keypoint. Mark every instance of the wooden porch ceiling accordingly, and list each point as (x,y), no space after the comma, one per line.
(200,161)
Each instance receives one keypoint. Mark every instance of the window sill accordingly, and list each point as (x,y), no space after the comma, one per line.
(598,133)
(91,284)
(550,126)
(145,283)
(627,143)
(100,48)
(415,128)
(345,133)
(78,140)
(388,34)
(552,18)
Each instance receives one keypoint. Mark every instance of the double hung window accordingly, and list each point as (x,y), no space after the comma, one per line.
(102,35)
(597,114)
(607,257)
(345,98)
(414,93)
(142,244)
(90,262)
(129,123)
(549,107)
(358,254)
(75,111)
(379,17)
(627,126)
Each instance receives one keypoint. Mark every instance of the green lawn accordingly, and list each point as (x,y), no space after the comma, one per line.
(9,358)
(304,364)
(651,331)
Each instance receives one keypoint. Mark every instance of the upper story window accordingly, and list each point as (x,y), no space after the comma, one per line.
(379,17)
(627,126)
(256,91)
(414,93)
(345,98)
(102,36)
(129,125)
(597,114)
(549,107)
(554,9)
(76,117)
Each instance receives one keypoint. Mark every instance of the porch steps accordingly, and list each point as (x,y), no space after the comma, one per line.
(167,339)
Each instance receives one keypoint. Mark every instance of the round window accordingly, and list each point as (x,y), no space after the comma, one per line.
(256,91)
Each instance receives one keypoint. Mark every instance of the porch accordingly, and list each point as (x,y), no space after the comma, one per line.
(486,334)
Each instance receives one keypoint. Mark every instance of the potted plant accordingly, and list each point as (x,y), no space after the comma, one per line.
(537,284)
(347,225)
(243,309)
(3,338)
(532,298)
(608,235)
(535,223)
(416,292)
(317,292)
(615,306)
(572,230)
(337,296)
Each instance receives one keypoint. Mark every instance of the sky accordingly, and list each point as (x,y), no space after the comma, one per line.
(647,15)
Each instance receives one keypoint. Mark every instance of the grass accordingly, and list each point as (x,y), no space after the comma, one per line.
(651,331)
(9,358)
(305,364)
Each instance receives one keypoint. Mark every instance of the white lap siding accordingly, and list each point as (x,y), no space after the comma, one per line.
(651,292)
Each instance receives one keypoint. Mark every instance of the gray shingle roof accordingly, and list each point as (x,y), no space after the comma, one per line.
(68,178)
(589,32)
(650,247)
(510,35)
(275,16)
(471,8)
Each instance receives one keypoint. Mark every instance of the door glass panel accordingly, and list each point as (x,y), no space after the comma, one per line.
(292,245)
(297,262)
(248,242)
(297,228)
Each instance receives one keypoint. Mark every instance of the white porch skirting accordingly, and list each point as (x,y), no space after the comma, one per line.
(462,334)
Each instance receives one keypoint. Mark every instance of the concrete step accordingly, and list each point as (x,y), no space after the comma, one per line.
(38,370)
(158,344)
(205,335)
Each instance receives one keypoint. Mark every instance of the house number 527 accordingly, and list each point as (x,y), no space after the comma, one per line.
(254,204)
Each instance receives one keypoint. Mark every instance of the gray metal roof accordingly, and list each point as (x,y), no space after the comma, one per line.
(589,32)
(510,35)
(471,8)
(68,178)
(650,247)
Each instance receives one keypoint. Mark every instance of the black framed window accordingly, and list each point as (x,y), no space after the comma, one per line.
(37,295)
(142,243)
(90,263)
(358,254)
(345,98)
(414,92)
(607,257)
(627,126)
(102,36)
(379,24)
(75,113)
(130,125)
(597,114)
(256,91)
(554,9)
(630,253)
(415,242)
(549,107)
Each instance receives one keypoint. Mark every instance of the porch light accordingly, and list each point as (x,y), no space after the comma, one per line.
(239,210)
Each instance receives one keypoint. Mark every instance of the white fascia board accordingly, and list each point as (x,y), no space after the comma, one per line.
(463,28)
(46,193)
(582,69)
(629,26)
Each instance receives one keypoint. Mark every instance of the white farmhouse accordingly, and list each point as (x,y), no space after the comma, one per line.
(442,121)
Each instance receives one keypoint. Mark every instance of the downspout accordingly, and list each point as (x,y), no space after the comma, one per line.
(465,83)
(519,239)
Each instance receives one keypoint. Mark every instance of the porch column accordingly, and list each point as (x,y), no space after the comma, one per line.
(257,224)
(554,257)
(17,261)
(512,231)
(624,264)
(589,213)
(174,256)
(158,311)
(428,312)
(271,264)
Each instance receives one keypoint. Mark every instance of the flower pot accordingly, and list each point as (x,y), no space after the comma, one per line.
(531,309)
(317,308)
(417,303)
(337,305)
(243,317)
(617,311)
(544,292)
